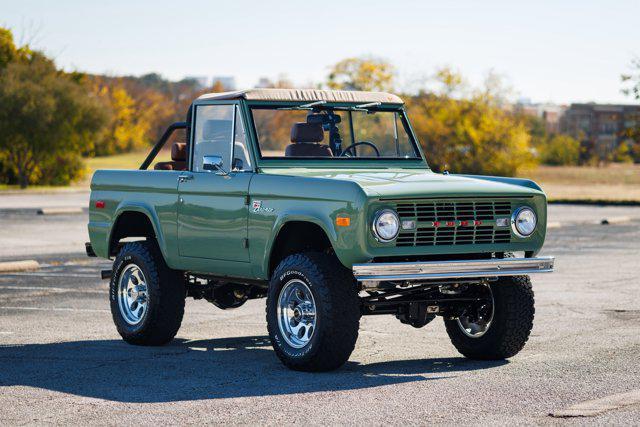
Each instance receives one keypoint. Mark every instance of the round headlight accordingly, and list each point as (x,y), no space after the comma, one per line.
(386,225)
(524,221)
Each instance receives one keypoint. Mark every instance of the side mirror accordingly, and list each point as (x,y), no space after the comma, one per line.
(213,164)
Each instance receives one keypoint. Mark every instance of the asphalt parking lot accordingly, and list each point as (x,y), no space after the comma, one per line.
(63,362)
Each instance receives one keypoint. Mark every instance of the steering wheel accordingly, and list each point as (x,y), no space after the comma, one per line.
(347,151)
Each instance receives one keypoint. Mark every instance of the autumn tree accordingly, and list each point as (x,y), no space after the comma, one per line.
(470,132)
(559,150)
(45,120)
(631,87)
(370,74)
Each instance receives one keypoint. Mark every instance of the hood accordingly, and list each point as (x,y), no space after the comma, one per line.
(416,183)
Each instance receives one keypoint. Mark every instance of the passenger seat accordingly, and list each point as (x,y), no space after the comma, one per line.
(178,157)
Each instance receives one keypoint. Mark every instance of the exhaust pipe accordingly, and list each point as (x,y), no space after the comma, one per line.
(106,274)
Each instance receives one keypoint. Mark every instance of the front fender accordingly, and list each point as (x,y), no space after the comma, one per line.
(301,216)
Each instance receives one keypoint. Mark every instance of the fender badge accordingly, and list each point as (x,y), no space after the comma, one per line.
(257,207)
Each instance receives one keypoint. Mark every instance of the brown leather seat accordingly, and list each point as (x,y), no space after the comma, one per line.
(178,158)
(306,138)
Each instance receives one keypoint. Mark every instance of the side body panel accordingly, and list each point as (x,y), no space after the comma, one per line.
(212,224)
(153,193)
(212,216)
(276,200)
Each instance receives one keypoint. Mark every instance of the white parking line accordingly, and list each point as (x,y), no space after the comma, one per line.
(45,274)
(594,407)
(88,310)
(49,288)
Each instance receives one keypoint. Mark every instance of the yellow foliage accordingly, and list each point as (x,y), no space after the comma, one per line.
(473,134)
(129,126)
(370,74)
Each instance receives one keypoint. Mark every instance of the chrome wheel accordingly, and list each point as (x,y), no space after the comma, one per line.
(132,294)
(296,313)
(475,322)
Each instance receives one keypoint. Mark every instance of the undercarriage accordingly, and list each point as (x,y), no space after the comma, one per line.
(417,304)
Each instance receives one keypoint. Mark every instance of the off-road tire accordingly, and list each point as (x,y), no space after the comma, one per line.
(337,312)
(166,295)
(510,327)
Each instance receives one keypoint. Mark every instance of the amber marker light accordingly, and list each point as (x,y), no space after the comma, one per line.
(343,221)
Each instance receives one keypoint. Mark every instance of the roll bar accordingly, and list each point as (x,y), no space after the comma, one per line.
(163,140)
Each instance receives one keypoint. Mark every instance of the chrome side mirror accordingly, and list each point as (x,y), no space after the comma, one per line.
(213,164)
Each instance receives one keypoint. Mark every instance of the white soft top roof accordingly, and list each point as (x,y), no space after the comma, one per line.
(309,95)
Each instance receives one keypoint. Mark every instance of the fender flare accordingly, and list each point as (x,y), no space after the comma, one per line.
(297,216)
(149,212)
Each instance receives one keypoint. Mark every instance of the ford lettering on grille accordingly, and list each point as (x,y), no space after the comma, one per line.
(454,222)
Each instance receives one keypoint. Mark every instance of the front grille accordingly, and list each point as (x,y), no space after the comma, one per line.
(463,222)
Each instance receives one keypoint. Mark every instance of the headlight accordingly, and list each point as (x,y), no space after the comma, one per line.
(524,221)
(386,225)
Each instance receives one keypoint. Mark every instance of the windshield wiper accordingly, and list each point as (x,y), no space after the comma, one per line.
(367,105)
(361,107)
(308,106)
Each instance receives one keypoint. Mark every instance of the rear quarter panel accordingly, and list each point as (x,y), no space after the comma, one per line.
(153,193)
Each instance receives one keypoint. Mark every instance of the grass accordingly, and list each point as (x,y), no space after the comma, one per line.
(119,161)
(612,183)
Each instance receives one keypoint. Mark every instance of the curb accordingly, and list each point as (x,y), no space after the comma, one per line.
(13,266)
(60,211)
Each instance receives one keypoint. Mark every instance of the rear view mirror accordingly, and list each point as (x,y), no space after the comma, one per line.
(213,164)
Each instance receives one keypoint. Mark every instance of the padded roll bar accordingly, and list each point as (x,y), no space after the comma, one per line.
(163,140)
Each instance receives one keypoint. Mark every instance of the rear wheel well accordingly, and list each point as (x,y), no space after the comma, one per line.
(296,237)
(130,225)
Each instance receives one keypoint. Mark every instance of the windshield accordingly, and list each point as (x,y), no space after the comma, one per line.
(328,133)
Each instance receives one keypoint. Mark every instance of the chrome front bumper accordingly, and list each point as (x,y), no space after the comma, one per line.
(452,269)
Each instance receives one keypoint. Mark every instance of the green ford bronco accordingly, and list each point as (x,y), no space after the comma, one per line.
(322,202)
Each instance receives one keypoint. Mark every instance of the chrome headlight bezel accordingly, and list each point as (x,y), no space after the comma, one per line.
(374,226)
(515,223)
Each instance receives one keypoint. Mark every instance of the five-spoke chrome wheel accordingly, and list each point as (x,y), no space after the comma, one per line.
(132,294)
(476,321)
(296,313)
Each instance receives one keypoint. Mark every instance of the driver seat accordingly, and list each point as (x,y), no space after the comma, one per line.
(306,139)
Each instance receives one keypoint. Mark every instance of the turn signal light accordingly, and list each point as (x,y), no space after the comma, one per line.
(343,221)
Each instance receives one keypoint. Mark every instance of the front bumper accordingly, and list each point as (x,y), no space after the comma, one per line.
(415,271)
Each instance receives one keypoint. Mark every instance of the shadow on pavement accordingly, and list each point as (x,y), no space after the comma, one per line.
(194,370)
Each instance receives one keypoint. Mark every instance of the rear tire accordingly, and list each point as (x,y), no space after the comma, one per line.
(306,284)
(511,324)
(147,297)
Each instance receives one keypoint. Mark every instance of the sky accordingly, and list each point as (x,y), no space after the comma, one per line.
(558,51)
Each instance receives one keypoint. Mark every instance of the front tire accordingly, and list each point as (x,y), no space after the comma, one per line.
(501,332)
(147,298)
(313,312)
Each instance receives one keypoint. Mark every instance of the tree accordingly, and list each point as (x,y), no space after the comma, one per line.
(560,150)
(372,74)
(44,116)
(631,81)
(472,133)
(632,88)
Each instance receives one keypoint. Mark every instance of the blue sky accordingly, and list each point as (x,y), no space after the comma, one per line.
(560,51)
